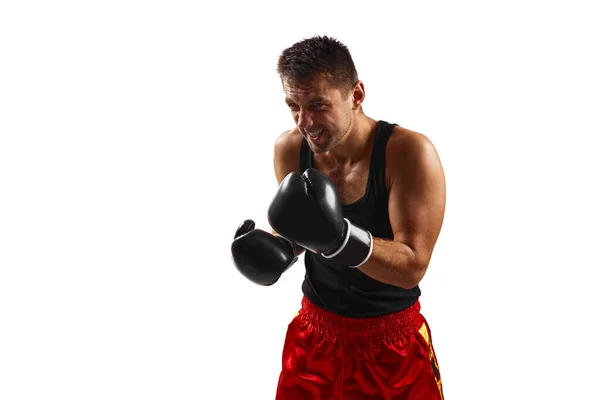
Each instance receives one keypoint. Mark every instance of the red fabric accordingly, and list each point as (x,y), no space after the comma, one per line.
(326,356)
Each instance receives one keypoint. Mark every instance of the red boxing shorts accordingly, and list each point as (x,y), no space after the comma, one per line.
(326,356)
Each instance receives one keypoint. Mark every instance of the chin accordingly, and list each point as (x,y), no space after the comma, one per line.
(319,150)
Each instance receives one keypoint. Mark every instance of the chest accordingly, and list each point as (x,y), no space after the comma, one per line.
(350,181)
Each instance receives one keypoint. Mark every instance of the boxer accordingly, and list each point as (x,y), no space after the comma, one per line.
(364,200)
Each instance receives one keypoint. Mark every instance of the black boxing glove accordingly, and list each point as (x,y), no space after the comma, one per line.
(260,256)
(306,209)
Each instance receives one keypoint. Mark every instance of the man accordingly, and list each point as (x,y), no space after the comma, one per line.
(366,200)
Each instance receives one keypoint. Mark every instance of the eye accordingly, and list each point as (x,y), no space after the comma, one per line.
(318,106)
(293,107)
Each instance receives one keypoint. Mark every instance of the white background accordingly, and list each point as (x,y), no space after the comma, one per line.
(136,136)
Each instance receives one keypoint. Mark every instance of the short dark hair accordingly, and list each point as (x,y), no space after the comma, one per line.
(319,54)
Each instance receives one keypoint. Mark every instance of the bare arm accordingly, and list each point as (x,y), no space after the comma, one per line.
(286,159)
(417,200)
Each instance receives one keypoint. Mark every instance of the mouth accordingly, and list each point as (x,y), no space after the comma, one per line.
(315,135)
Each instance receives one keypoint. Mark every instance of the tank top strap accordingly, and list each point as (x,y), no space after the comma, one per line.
(382,135)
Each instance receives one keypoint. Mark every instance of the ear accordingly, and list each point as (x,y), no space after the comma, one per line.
(358,95)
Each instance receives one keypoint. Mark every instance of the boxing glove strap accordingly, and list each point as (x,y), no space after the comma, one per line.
(355,249)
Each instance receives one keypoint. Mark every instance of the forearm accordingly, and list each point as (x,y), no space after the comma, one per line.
(394,263)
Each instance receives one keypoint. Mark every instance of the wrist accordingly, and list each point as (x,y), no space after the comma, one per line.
(294,248)
(356,247)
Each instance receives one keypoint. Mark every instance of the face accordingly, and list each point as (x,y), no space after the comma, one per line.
(323,113)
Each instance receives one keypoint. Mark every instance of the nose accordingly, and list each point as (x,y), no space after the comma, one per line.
(304,120)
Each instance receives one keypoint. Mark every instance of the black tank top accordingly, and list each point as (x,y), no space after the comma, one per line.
(348,291)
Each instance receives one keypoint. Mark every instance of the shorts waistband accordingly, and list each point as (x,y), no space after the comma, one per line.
(361,331)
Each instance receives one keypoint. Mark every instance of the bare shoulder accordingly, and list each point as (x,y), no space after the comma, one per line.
(286,153)
(410,153)
(408,143)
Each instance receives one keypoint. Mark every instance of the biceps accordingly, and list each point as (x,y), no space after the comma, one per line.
(416,208)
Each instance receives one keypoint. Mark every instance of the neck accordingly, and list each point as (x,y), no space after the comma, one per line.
(353,146)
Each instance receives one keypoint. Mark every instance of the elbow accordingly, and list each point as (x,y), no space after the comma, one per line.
(412,277)
(415,266)
(413,272)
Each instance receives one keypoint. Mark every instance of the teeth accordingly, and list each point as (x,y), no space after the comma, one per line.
(315,134)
